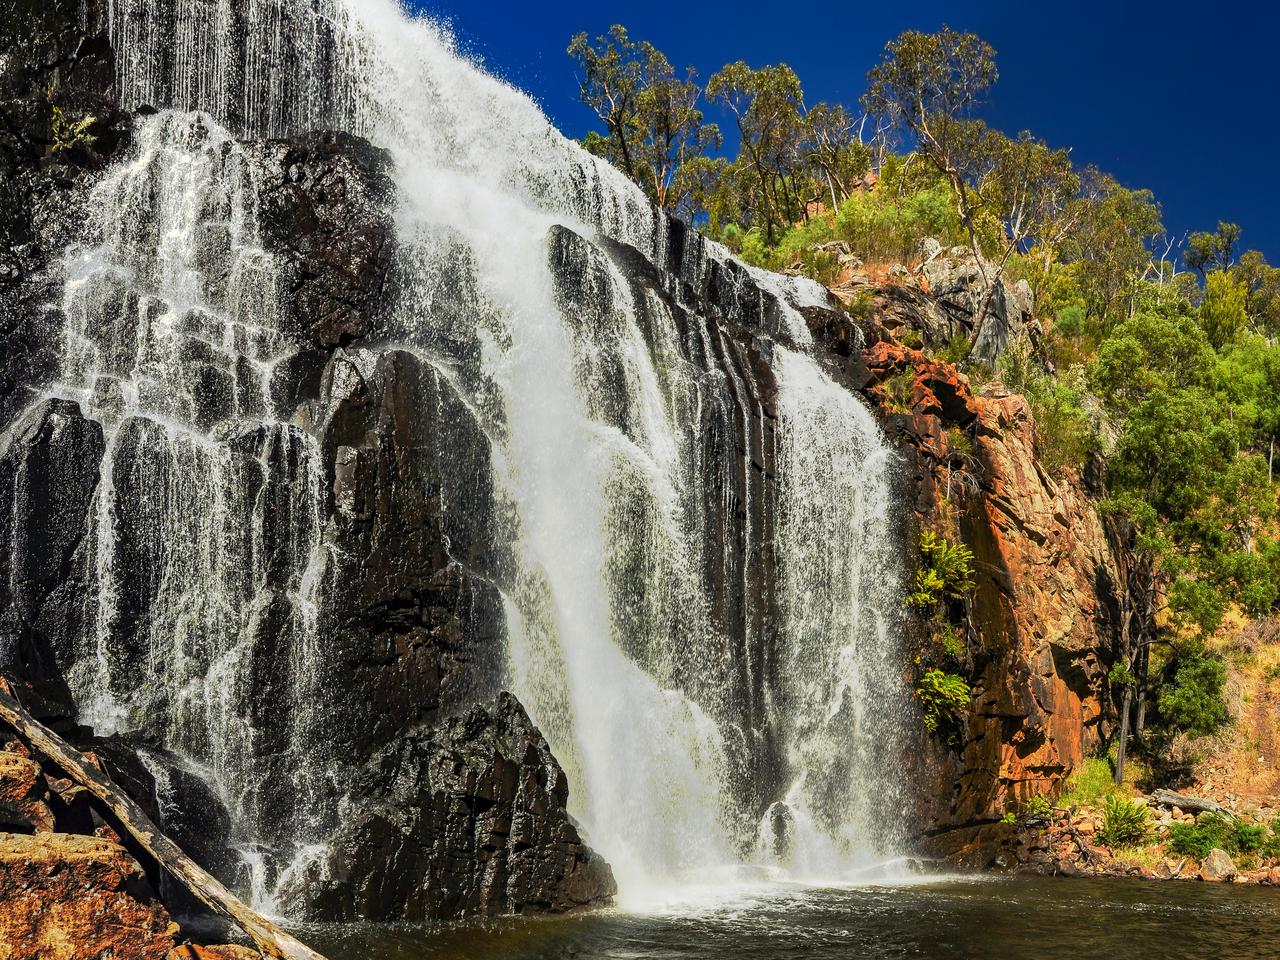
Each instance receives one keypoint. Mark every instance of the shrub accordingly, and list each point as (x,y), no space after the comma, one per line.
(1120,675)
(944,696)
(1125,823)
(1070,321)
(1214,830)
(1192,702)
(1039,808)
(1195,840)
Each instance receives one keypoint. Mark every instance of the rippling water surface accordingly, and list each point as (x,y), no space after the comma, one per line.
(1041,919)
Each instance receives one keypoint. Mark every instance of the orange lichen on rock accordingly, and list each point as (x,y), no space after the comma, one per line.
(68,897)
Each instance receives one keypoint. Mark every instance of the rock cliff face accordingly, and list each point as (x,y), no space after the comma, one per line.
(1044,618)
(414,622)
(472,815)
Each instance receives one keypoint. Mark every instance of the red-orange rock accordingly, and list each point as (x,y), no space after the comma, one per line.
(1046,606)
(22,794)
(191,951)
(65,897)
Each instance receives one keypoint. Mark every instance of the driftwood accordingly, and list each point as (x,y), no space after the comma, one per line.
(271,941)
(1168,798)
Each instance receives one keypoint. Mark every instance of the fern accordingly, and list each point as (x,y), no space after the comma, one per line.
(943,696)
(1124,823)
(69,134)
(946,570)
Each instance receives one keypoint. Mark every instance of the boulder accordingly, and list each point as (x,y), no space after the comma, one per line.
(1218,866)
(65,897)
(957,283)
(473,816)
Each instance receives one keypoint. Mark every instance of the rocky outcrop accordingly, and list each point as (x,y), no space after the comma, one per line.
(934,305)
(23,795)
(1043,619)
(472,816)
(65,897)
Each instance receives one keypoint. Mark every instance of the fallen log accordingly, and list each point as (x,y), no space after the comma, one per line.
(272,942)
(1168,798)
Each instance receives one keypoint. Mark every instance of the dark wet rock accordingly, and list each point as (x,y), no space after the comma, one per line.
(324,210)
(48,59)
(48,475)
(466,819)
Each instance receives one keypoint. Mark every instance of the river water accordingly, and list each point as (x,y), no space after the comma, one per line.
(942,919)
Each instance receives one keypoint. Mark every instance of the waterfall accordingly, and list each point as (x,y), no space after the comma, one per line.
(206,519)
(702,600)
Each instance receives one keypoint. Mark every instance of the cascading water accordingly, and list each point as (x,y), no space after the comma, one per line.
(702,611)
(206,502)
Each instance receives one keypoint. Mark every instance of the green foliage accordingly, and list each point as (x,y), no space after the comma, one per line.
(887,224)
(1120,675)
(655,129)
(1039,808)
(1125,823)
(69,134)
(959,442)
(1222,311)
(946,569)
(1070,321)
(1064,428)
(951,642)
(944,698)
(1214,250)
(1192,701)
(1217,831)
(1089,783)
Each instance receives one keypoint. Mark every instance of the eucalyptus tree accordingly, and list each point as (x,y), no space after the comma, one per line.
(654,122)
(766,106)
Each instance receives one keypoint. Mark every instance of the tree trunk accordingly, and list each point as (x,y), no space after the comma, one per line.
(271,941)
(1122,741)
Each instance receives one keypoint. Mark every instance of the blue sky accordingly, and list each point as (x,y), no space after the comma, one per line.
(1182,98)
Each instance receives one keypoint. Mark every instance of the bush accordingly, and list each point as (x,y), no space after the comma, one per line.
(944,697)
(1120,675)
(1192,702)
(1125,823)
(1039,808)
(1070,321)
(1214,830)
